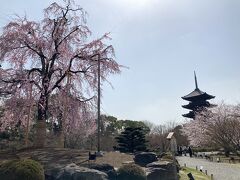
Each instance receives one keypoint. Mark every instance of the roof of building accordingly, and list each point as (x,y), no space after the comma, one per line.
(197,94)
(189,115)
(170,135)
(197,104)
(198,100)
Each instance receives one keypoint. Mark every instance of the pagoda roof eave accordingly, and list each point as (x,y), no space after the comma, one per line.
(193,106)
(197,94)
(189,115)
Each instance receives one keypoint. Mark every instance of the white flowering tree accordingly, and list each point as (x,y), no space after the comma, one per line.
(219,126)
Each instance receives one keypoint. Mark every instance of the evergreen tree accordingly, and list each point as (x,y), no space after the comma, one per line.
(132,139)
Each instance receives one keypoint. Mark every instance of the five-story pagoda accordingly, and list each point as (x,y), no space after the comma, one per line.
(197,101)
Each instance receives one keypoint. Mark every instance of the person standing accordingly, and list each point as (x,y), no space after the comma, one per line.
(190,151)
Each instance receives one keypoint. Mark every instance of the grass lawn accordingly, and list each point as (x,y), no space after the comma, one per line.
(196,174)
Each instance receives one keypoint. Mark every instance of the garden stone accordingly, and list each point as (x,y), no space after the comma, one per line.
(161,170)
(165,164)
(106,168)
(52,171)
(74,172)
(145,158)
(161,164)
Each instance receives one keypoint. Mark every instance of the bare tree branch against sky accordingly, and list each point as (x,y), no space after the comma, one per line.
(163,42)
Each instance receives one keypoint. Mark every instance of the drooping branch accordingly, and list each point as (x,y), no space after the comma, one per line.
(82,99)
(68,35)
(34,50)
(34,70)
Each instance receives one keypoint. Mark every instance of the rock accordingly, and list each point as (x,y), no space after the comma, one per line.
(161,170)
(74,172)
(161,164)
(52,172)
(106,168)
(159,173)
(165,165)
(145,158)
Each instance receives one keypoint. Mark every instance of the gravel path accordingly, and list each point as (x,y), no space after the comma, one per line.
(220,171)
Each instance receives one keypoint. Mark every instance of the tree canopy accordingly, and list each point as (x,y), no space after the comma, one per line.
(53,56)
(218,127)
(132,139)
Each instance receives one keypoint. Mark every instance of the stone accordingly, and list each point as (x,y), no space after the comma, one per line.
(161,164)
(52,172)
(161,170)
(74,172)
(145,158)
(106,168)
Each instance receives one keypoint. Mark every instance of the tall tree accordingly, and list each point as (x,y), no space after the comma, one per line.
(132,139)
(43,54)
(157,137)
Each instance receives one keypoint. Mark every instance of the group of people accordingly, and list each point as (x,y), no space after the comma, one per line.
(184,150)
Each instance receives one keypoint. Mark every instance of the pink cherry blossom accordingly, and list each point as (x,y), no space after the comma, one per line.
(43,54)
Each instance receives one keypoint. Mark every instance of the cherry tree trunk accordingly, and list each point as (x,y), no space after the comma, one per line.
(61,139)
(40,134)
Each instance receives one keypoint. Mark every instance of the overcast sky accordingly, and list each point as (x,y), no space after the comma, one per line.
(162,42)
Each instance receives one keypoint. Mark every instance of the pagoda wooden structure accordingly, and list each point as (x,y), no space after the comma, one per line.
(197,101)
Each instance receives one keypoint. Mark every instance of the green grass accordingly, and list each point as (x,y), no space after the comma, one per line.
(196,174)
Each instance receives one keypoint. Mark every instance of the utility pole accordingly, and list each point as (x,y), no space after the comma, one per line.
(98,106)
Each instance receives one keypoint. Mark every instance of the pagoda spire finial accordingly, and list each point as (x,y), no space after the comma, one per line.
(196,84)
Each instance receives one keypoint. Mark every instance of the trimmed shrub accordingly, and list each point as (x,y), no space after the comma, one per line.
(131,140)
(25,169)
(131,171)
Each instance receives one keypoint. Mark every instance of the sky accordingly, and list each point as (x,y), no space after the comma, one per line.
(161,42)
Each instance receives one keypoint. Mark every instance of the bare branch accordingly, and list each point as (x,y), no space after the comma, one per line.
(57,84)
(34,70)
(38,53)
(68,35)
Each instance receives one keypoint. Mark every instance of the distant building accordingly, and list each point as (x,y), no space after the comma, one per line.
(197,101)
(173,142)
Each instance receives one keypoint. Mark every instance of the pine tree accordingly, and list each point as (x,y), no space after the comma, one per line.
(132,139)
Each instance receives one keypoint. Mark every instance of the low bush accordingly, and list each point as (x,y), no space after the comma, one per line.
(131,171)
(167,156)
(25,169)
